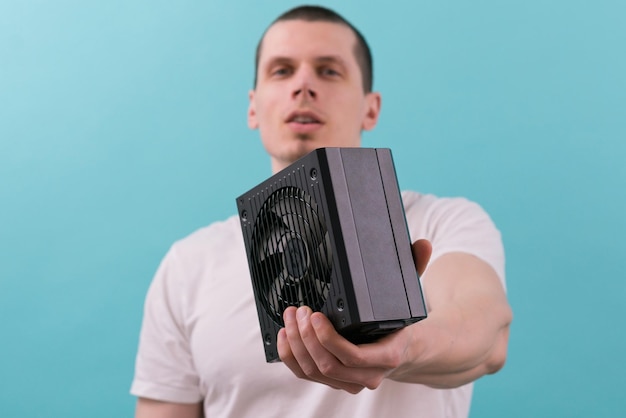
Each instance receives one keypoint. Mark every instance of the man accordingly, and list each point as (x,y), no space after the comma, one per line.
(199,349)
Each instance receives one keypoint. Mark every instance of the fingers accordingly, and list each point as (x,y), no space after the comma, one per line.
(295,354)
(313,350)
(422,250)
(336,357)
(287,356)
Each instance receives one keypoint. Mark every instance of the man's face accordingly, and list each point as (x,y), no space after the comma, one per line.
(309,91)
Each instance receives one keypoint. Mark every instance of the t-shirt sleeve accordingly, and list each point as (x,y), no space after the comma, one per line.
(455,225)
(164,368)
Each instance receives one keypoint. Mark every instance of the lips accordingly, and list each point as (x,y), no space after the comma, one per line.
(304,121)
(303,117)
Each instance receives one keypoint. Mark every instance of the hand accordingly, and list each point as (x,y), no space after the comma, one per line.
(311,347)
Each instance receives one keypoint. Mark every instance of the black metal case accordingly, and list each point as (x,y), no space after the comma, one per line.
(330,232)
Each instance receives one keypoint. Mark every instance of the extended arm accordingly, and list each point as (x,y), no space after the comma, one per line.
(466,333)
(464,337)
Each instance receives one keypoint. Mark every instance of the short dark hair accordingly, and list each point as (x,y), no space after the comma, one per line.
(321,14)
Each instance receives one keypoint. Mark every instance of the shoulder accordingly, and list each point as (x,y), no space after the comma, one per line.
(454,224)
(221,235)
(431,206)
(202,250)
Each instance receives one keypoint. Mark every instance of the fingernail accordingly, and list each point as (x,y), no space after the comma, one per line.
(301,313)
(316,321)
(289,315)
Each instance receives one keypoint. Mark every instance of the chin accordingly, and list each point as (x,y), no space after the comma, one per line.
(299,153)
(286,155)
(301,147)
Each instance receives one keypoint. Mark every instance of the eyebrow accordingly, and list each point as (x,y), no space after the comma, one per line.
(277,60)
(324,59)
(331,59)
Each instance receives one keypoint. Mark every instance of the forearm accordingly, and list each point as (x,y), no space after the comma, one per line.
(454,359)
(466,333)
(464,337)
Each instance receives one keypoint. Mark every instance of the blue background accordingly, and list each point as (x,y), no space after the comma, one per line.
(123,128)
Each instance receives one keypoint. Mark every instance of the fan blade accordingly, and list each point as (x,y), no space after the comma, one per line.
(274,298)
(300,296)
(299,213)
(313,291)
(283,292)
(270,230)
(294,251)
(321,262)
(269,267)
(288,200)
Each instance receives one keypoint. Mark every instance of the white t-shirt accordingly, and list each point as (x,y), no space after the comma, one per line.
(200,339)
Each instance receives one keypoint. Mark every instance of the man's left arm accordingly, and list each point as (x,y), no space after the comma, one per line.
(464,337)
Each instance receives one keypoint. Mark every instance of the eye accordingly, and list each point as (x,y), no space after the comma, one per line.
(329,72)
(281,71)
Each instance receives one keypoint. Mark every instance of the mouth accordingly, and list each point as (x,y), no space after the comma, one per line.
(304,121)
(304,117)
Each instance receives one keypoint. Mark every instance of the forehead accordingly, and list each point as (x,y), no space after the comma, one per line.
(299,39)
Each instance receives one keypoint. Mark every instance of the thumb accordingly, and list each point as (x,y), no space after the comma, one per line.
(422,249)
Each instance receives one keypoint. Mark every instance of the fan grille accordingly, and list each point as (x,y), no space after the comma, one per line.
(291,252)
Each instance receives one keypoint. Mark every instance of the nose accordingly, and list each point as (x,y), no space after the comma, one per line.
(304,86)
(305,93)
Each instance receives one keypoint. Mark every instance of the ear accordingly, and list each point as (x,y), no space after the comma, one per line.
(372,110)
(253,123)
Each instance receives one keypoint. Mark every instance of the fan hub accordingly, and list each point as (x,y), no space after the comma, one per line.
(296,257)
